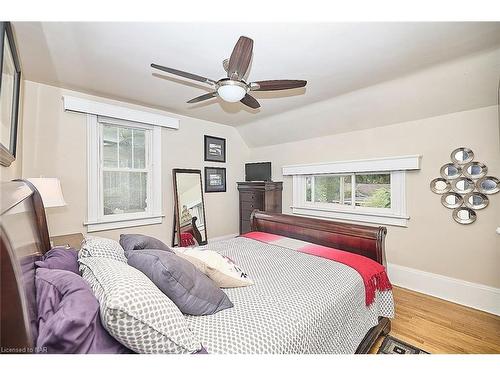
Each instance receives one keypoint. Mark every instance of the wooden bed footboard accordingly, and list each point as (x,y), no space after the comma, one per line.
(360,239)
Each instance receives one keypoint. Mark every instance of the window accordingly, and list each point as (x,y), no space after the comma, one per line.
(124,174)
(372,191)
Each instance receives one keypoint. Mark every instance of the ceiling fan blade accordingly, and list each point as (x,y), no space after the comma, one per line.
(278,84)
(240,58)
(181,73)
(203,97)
(250,101)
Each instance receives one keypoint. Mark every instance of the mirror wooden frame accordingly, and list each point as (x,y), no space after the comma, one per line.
(176,228)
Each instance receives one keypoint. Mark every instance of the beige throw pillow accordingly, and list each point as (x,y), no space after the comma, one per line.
(222,270)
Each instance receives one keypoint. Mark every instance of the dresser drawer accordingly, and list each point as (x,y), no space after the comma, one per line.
(251,196)
(250,206)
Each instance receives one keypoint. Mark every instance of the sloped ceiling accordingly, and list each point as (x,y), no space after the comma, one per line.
(459,85)
(359,74)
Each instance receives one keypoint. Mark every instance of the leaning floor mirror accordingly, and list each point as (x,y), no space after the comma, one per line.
(189,227)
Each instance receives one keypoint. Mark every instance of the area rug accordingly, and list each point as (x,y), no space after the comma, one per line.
(392,345)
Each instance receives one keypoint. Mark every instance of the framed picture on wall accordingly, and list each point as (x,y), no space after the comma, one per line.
(10,73)
(215,179)
(215,149)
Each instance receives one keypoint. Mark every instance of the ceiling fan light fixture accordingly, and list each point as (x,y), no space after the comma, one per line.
(233,88)
(232,91)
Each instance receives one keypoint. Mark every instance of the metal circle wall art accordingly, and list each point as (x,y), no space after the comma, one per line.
(464,185)
(464,215)
(488,185)
(475,170)
(450,171)
(440,186)
(452,200)
(462,155)
(476,201)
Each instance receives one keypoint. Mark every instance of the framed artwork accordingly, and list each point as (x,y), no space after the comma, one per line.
(215,179)
(10,73)
(215,149)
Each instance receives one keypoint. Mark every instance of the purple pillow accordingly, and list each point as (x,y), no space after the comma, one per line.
(60,258)
(140,241)
(68,315)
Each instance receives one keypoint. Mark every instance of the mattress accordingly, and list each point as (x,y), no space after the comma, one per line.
(299,304)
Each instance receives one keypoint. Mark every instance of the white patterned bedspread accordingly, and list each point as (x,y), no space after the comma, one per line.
(300,303)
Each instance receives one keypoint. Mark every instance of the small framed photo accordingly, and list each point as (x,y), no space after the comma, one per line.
(215,149)
(215,179)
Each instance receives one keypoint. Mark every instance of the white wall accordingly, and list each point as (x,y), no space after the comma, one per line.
(55,146)
(433,241)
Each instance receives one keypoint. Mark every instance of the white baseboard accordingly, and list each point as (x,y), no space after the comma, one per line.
(222,238)
(477,296)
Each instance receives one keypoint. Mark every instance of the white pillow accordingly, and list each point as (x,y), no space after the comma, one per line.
(134,311)
(102,247)
(222,270)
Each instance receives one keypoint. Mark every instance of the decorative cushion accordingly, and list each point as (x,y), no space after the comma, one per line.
(60,258)
(135,311)
(102,248)
(140,241)
(68,315)
(192,291)
(222,270)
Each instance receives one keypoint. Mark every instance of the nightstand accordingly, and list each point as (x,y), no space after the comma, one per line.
(69,240)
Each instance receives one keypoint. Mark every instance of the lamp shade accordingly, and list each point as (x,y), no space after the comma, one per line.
(231,93)
(50,190)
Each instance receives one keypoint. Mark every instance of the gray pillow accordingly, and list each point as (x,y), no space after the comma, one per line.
(140,241)
(192,291)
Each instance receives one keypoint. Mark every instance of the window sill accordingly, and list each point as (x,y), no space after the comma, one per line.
(117,224)
(364,217)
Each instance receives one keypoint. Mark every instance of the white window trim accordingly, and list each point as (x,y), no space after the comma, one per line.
(396,215)
(399,163)
(153,117)
(96,221)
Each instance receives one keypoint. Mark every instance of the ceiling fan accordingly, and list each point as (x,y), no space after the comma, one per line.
(233,88)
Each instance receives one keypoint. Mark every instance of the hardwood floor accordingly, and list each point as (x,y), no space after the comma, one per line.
(439,326)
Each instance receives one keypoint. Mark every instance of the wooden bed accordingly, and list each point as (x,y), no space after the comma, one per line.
(25,238)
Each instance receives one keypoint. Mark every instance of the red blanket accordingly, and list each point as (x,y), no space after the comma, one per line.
(373,274)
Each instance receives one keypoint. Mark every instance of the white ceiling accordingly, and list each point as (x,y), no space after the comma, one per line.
(113,59)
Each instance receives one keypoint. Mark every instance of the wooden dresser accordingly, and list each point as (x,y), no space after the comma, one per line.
(265,196)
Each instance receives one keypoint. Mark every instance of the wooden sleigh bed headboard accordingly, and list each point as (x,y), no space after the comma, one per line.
(24,239)
(360,239)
